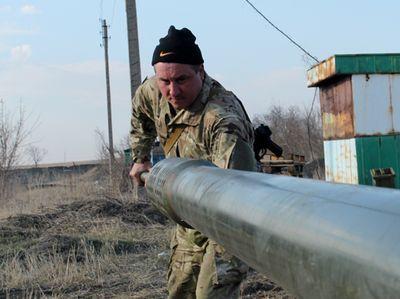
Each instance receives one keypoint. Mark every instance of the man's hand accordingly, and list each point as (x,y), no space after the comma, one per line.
(137,169)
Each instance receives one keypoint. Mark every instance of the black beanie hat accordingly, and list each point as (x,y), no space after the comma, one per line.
(179,47)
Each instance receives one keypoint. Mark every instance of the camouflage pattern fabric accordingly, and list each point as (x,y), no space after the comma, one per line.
(217,129)
(206,271)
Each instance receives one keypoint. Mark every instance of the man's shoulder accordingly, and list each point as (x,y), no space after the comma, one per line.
(148,88)
(147,97)
(223,103)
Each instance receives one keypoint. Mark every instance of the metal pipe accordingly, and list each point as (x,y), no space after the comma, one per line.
(316,239)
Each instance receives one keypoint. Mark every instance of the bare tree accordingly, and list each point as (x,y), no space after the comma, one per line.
(36,154)
(13,135)
(120,169)
(103,152)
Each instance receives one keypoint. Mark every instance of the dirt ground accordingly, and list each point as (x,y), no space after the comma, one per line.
(105,247)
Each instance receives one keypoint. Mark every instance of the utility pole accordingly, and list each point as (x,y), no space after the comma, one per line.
(110,134)
(2,112)
(133,44)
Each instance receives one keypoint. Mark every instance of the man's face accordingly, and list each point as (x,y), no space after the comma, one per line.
(179,83)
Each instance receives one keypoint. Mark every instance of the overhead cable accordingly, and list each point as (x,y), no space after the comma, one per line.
(283,33)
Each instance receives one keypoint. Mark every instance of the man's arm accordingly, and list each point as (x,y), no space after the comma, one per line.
(232,144)
(137,169)
(142,133)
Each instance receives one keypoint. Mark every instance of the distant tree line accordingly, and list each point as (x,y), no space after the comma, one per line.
(120,168)
(15,132)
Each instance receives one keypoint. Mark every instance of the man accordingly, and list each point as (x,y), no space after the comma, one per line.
(194,117)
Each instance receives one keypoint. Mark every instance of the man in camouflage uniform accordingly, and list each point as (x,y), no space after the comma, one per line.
(194,117)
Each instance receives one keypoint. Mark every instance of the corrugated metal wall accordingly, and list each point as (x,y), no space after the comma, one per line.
(378,152)
(341,161)
(376,101)
(337,110)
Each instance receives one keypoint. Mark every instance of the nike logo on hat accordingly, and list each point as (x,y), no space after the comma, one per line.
(162,53)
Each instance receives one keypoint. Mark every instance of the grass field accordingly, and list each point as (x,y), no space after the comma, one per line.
(74,240)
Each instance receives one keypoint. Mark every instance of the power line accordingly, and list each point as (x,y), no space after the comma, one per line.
(283,33)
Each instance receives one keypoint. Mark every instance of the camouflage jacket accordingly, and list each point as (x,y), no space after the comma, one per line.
(217,128)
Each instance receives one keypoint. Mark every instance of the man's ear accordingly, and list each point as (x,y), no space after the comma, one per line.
(202,72)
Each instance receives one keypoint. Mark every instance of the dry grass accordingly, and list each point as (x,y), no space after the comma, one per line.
(74,240)
(30,198)
(57,269)
(93,258)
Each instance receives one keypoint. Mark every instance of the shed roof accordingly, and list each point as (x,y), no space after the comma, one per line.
(348,64)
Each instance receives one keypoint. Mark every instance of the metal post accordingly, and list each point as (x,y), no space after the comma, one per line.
(110,133)
(316,239)
(133,44)
(2,111)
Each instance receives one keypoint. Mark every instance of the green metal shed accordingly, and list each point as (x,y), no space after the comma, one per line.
(360,108)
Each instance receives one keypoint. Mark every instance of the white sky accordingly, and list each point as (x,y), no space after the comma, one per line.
(51,60)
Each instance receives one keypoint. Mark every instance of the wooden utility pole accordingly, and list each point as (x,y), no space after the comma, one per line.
(133,44)
(110,134)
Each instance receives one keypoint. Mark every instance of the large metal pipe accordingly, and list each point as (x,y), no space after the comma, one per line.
(316,239)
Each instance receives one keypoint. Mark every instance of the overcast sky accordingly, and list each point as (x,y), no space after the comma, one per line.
(51,60)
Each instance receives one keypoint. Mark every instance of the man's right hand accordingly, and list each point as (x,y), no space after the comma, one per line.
(137,169)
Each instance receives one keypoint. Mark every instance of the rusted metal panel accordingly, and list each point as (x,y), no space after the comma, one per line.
(337,110)
(321,71)
(341,161)
(339,65)
(361,105)
(376,104)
